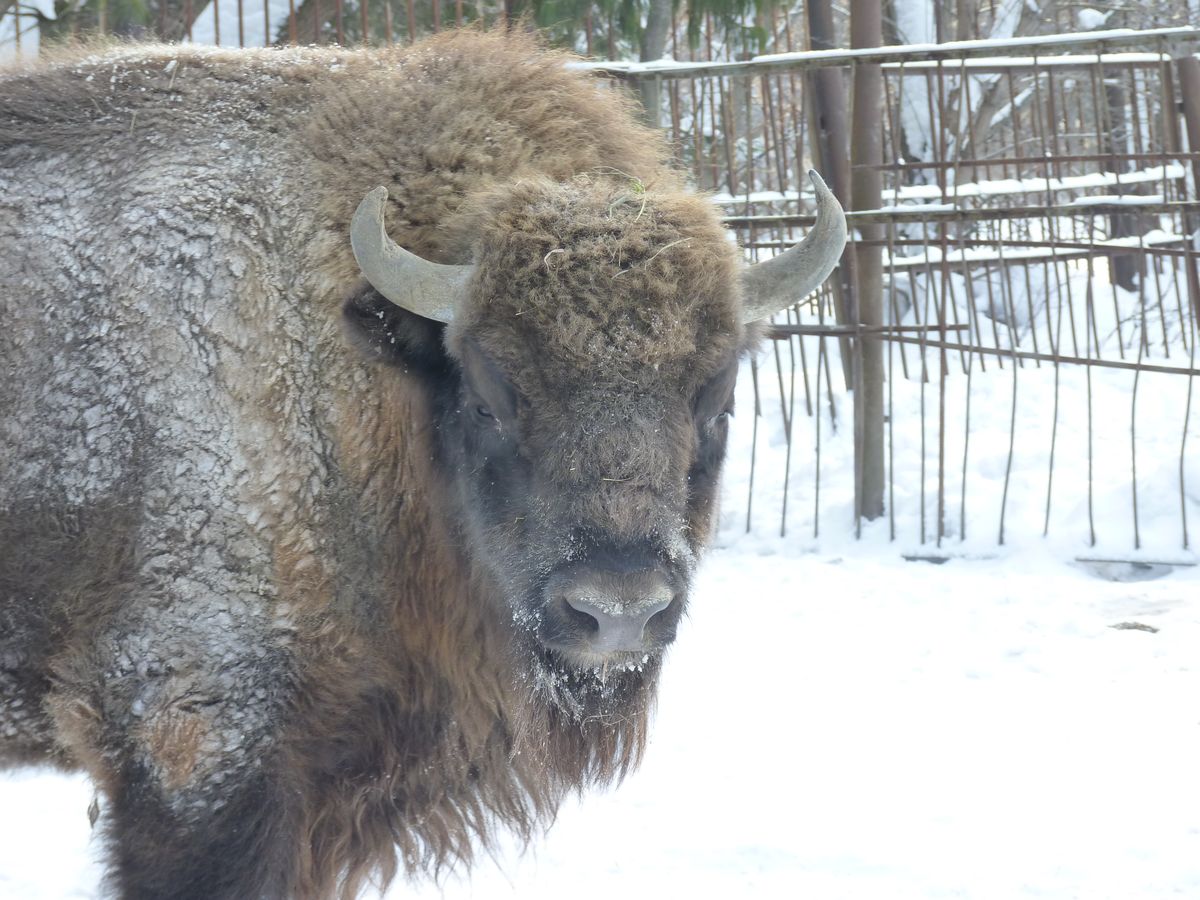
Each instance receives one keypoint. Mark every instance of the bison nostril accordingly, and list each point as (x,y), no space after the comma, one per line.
(659,616)
(662,626)
(582,620)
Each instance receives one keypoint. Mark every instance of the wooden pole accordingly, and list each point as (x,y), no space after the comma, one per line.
(866,190)
(830,148)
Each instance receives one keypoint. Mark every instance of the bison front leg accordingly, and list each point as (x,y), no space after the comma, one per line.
(180,724)
(184,842)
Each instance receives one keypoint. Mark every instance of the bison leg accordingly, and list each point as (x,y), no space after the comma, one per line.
(177,714)
(231,844)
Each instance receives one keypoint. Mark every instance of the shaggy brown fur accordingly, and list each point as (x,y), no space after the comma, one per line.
(284,602)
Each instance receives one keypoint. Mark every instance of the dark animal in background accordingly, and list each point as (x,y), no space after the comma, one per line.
(323,578)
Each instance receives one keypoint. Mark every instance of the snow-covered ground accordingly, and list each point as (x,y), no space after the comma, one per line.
(837,722)
(835,727)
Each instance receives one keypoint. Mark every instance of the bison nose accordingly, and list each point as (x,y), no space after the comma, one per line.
(620,607)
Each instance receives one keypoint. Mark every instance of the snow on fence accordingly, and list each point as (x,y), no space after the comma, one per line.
(1037,232)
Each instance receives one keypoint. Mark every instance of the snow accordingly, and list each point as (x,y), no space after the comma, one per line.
(1007,186)
(665,64)
(971,46)
(726,199)
(1117,200)
(1058,60)
(995,188)
(1090,19)
(934,255)
(932,55)
(1064,60)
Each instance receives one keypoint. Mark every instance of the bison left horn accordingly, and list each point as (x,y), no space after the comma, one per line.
(426,288)
(791,276)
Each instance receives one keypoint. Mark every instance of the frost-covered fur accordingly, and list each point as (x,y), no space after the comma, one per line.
(244,581)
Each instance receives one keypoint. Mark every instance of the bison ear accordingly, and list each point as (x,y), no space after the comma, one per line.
(383,331)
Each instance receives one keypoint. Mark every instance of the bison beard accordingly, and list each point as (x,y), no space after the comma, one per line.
(324,579)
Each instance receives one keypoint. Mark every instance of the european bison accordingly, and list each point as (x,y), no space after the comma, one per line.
(321,578)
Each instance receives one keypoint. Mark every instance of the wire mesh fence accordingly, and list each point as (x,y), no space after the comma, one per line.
(1037,241)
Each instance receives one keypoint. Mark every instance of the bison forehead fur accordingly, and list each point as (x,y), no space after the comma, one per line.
(630,287)
(319,590)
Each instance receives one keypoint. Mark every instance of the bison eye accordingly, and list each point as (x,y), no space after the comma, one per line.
(483,412)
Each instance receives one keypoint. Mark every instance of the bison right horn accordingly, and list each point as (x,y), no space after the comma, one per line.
(791,276)
(426,288)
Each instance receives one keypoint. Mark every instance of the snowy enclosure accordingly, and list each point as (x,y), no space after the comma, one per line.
(990,692)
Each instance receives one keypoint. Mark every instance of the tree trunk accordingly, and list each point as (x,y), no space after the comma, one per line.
(826,108)
(964,21)
(1125,269)
(866,190)
(313,19)
(171,18)
(654,46)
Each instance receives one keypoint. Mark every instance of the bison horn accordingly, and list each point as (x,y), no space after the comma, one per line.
(788,278)
(426,288)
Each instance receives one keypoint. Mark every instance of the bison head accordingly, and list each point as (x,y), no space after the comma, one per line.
(582,370)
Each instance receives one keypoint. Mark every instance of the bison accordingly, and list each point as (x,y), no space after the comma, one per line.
(361,419)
